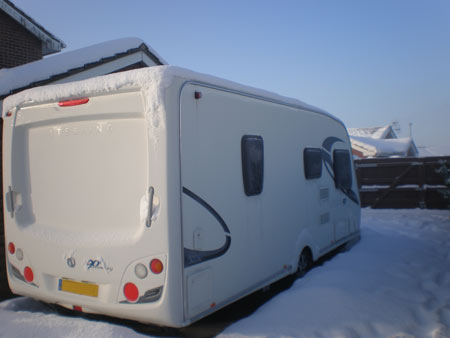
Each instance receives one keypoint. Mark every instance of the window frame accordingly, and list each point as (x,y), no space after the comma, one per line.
(342,180)
(309,161)
(252,168)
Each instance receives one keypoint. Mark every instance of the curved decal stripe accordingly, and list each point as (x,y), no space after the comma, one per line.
(329,141)
(192,257)
(207,207)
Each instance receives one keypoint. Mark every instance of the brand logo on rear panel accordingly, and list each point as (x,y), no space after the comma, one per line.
(98,128)
(71,262)
(98,264)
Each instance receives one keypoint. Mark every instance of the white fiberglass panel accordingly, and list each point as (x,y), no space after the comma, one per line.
(87,175)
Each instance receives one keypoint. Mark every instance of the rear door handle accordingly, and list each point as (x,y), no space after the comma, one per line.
(10,201)
(151,193)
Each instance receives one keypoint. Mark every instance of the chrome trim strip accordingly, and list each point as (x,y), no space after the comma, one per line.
(151,192)
(17,274)
(149,296)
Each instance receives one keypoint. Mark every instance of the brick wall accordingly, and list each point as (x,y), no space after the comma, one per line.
(4,288)
(17,45)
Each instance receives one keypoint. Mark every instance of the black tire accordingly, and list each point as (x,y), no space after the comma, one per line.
(304,263)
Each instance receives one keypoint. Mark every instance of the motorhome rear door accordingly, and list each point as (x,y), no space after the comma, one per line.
(81,166)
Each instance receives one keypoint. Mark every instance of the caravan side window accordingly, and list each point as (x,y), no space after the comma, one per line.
(342,169)
(312,161)
(252,152)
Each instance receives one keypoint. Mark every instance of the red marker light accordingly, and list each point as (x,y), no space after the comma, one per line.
(198,95)
(156,266)
(131,292)
(11,248)
(8,114)
(28,274)
(70,103)
(78,308)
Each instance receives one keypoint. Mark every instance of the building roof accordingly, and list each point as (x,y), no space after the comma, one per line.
(373,132)
(64,66)
(372,147)
(50,43)
(380,142)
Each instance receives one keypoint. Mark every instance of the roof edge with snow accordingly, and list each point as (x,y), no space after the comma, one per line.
(64,65)
(159,77)
(373,132)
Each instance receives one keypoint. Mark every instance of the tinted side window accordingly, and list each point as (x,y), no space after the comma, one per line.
(312,161)
(342,169)
(252,151)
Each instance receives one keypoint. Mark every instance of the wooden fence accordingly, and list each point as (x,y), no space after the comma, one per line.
(404,182)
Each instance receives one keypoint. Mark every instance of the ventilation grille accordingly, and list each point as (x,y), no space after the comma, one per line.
(324,193)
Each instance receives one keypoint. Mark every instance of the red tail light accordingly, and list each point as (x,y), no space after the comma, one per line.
(28,274)
(131,292)
(11,248)
(70,103)
(156,266)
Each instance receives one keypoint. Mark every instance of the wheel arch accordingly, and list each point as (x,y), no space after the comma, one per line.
(305,241)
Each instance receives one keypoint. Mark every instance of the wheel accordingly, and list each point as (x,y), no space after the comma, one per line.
(304,263)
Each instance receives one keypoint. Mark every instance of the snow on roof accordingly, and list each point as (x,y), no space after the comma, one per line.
(149,79)
(372,132)
(383,147)
(24,75)
(50,43)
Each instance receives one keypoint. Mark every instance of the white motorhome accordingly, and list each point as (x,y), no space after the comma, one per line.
(161,195)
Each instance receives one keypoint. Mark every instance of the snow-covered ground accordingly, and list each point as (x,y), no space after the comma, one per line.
(394,283)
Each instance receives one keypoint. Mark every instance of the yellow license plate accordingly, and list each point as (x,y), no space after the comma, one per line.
(80,288)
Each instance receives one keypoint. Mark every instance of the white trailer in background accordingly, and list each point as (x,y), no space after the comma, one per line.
(161,195)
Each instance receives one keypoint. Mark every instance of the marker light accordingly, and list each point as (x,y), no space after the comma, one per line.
(19,254)
(8,114)
(28,274)
(156,266)
(131,292)
(11,248)
(141,271)
(70,103)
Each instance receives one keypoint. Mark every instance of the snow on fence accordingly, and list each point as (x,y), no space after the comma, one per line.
(404,182)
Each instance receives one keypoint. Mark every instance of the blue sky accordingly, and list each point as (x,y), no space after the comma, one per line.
(367,62)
